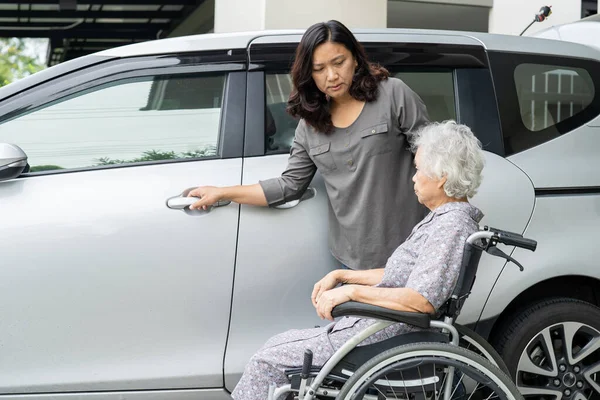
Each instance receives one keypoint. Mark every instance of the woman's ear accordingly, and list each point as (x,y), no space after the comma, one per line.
(441,182)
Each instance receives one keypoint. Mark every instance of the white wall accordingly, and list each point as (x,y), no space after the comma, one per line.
(239,16)
(303,13)
(248,15)
(512,16)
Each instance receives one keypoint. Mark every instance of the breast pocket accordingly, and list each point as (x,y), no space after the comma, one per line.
(375,140)
(322,157)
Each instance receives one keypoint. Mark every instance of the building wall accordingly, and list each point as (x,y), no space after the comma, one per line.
(250,15)
(495,16)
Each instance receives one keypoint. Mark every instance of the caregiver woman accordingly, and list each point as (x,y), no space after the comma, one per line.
(355,122)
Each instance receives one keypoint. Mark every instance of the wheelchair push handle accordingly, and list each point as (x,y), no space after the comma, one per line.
(499,236)
(522,242)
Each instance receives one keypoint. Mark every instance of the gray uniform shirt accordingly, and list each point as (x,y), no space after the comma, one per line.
(367,168)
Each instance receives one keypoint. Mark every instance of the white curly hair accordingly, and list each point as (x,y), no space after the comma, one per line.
(450,150)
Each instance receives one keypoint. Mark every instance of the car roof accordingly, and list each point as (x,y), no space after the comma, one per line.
(585,31)
(241,40)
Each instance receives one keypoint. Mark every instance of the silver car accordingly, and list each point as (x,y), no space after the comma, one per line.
(112,289)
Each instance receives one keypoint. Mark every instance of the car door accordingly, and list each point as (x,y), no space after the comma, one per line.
(103,287)
(283,252)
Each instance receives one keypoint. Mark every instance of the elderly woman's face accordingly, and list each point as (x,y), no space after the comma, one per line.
(429,190)
(333,67)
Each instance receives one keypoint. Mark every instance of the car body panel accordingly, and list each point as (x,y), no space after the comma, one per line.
(101,280)
(507,199)
(568,161)
(556,220)
(281,254)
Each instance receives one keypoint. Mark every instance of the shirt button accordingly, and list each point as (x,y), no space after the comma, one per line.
(373,131)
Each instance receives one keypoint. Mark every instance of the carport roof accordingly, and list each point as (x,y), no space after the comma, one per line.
(79,27)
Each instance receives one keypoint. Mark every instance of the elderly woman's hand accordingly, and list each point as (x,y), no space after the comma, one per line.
(328,282)
(332,298)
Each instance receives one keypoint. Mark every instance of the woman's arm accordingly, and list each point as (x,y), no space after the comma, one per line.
(399,299)
(243,194)
(289,186)
(368,277)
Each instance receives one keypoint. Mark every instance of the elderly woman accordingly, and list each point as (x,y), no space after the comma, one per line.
(419,276)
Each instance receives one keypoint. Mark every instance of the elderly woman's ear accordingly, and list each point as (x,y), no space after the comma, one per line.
(442,182)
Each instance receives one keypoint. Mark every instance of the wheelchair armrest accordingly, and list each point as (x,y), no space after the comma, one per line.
(356,309)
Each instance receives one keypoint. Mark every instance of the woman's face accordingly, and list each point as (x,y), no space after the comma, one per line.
(333,67)
(429,191)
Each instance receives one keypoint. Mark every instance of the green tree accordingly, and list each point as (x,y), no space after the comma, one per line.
(15,63)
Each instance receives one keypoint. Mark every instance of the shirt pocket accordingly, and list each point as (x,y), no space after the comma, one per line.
(322,157)
(375,140)
(345,323)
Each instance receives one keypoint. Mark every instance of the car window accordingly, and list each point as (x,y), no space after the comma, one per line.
(125,121)
(548,95)
(436,88)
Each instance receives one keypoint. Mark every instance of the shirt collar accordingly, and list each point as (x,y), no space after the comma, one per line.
(461,206)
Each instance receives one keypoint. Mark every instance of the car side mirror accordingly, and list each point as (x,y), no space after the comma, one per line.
(13,161)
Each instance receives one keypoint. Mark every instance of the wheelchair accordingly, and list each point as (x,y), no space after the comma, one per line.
(443,361)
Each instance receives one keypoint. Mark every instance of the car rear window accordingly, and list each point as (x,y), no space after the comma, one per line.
(549,94)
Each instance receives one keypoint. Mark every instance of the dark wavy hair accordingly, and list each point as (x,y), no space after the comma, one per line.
(306,100)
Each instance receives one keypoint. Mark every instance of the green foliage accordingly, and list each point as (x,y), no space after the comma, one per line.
(150,155)
(14,61)
(38,168)
(154,155)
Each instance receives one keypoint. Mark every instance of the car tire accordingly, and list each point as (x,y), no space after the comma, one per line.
(552,349)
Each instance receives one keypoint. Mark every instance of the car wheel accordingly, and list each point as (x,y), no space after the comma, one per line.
(552,350)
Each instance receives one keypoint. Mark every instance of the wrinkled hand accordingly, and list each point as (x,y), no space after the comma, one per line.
(332,298)
(328,282)
(208,195)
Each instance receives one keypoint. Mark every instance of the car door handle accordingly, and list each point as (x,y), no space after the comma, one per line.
(184,202)
(309,193)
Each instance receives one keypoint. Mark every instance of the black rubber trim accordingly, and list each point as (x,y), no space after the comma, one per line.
(280,56)
(254,143)
(231,137)
(353,308)
(567,191)
(477,107)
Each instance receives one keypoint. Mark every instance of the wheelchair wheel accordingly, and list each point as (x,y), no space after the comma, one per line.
(419,371)
(471,340)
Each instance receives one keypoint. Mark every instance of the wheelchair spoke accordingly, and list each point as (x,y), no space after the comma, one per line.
(427,376)
(405,389)
(473,392)
(457,385)
(391,387)
(422,386)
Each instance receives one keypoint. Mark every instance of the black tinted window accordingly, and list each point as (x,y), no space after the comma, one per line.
(542,97)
